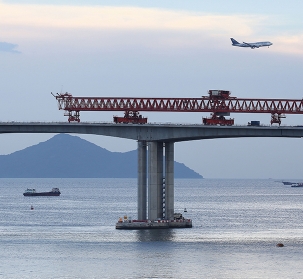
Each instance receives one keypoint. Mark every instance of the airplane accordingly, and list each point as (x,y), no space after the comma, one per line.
(251,45)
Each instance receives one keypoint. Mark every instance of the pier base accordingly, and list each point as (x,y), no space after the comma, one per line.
(147,224)
(129,224)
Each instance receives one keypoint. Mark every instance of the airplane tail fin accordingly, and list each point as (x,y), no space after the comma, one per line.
(234,42)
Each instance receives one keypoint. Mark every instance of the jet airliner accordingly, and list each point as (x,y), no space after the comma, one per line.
(251,45)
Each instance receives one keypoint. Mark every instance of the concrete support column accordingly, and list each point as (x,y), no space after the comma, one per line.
(169,180)
(155,180)
(142,180)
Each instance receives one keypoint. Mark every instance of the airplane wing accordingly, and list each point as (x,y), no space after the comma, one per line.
(251,45)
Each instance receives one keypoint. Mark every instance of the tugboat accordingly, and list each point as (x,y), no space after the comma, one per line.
(32,193)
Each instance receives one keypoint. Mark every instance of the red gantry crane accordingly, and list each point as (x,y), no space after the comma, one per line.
(218,102)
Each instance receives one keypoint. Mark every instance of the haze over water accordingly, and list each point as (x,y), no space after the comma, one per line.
(236,226)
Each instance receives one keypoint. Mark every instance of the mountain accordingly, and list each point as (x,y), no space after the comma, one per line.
(66,156)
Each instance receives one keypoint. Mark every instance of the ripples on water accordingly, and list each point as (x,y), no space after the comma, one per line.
(237,224)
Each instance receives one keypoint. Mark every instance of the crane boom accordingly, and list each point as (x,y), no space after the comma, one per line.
(218,102)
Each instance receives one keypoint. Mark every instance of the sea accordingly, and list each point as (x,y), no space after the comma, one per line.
(237,225)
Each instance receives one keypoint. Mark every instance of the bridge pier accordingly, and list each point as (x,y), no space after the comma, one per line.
(155,180)
(169,181)
(142,180)
(160,189)
(160,181)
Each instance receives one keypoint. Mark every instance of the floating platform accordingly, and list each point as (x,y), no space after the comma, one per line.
(128,224)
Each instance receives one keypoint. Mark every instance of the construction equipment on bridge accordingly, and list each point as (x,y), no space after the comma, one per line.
(131,117)
(253,123)
(217,98)
(276,118)
(218,119)
(218,102)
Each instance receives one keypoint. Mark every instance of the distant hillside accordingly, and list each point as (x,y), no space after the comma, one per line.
(66,156)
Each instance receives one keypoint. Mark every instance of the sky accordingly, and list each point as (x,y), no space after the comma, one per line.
(156,49)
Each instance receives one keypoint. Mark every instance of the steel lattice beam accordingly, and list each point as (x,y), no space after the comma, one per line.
(218,103)
(235,105)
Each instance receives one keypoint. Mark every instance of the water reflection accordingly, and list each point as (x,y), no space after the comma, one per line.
(155,235)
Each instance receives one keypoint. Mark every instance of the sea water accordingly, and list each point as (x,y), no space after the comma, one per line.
(236,226)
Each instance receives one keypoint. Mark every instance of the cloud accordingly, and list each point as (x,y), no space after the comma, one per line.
(105,27)
(8,47)
(123,18)
(289,44)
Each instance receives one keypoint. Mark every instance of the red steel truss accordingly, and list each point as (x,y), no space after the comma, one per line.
(210,103)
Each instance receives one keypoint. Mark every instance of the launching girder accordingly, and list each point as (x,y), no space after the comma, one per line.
(73,105)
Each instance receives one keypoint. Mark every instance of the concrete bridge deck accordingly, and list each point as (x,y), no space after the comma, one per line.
(153,132)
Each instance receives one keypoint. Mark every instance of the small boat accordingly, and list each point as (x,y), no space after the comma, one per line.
(287,183)
(297,184)
(32,192)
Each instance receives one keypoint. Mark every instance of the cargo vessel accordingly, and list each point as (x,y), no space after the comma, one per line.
(32,192)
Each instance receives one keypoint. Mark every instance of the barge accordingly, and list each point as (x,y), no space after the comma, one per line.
(33,193)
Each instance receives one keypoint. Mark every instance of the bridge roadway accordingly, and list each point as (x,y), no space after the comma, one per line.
(153,132)
(158,140)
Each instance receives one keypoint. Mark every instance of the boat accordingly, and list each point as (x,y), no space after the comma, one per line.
(287,183)
(297,184)
(293,184)
(32,192)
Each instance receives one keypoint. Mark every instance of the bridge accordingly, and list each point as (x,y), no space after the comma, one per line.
(156,140)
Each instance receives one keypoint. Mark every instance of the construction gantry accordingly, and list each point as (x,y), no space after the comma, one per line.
(218,102)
